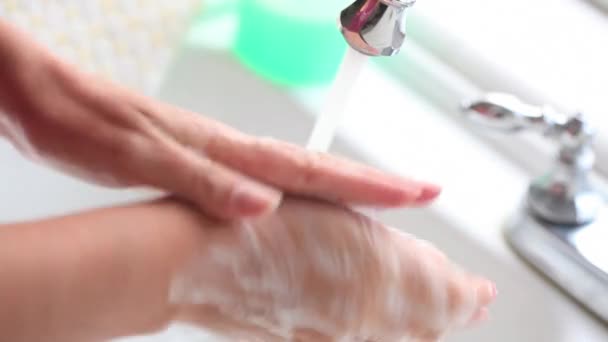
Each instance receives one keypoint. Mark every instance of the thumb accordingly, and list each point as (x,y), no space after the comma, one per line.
(218,190)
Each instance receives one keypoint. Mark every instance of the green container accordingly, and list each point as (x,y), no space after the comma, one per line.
(291,42)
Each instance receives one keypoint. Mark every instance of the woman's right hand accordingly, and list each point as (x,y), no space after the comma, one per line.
(103,133)
(318,272)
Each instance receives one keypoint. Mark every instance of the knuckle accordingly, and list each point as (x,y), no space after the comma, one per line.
(216,188)
(308,167)
(203,180)
(127,146)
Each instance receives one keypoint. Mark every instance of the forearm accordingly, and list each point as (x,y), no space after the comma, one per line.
(95,275)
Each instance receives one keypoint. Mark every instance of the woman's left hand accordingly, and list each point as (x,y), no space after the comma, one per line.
(317,272)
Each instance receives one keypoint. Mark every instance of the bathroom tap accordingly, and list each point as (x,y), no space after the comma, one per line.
(375,27)
(564,195)
(371,28)
(562,225)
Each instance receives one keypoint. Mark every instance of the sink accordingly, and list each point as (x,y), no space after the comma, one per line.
(466,222)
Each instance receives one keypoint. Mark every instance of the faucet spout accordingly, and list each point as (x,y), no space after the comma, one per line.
(375,27)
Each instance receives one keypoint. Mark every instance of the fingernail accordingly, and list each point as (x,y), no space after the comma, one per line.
(428,194)
(253,200)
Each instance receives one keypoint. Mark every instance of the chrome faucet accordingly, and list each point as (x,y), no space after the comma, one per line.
(561,228)
(375,27)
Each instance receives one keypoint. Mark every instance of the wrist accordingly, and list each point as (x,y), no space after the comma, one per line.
(112,266)
(24,63)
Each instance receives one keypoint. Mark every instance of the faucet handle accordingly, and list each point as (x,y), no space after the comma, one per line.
(506,112)
(565,194)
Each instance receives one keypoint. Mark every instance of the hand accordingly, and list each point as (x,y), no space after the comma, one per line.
(317,272)
(311,270)
(109,135)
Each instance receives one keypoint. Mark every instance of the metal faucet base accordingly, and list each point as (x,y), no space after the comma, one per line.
(573,258)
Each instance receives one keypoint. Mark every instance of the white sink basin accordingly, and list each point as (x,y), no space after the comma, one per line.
(466,222)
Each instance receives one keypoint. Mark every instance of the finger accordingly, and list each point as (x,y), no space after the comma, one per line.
(218,191)
(484,292)
(481,315)
(289,167)
(226,194)
(468,298)
(461,300)
(320,175)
